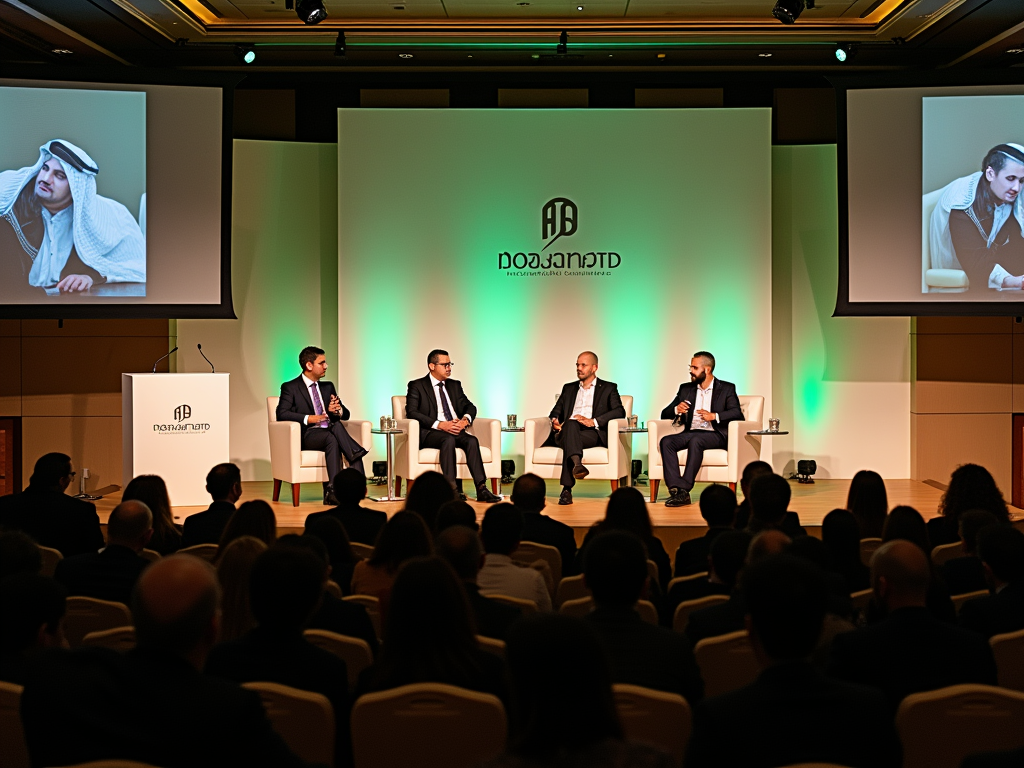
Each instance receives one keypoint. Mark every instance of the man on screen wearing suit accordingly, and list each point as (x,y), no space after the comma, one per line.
(580,419)
(706,406)
(434,401)
(315,405)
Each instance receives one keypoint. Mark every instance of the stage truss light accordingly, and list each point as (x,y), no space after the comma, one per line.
(311,11)
(339,45)
(844,52)
(245,53)
(563,43)
(788,11)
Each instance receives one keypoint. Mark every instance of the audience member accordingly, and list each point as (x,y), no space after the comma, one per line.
(868,502)
(966,574)
(906,524)
(455,512)
(460,546)
(360,524)
(718,508)
(224,484)
(1011,759)
(753,470)
(405,536)
(501,532)
(111,573)
(151,490)
(970,487)
(152,704)
(254,518)
(563,712)
(233,570)
(340,554)
(837,722)
(769,503)
(33,609)
(1001,549)
(728,552)
(19,554)
(841,534)
(46,513)
(910,650)
(528,496)
(427,494)
(641,653)
(284,589)
(814,551)
(430,637)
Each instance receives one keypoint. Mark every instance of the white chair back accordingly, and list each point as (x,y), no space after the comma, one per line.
(14,753)
(354,651)
(726,662)
(87,614)
(305,720)
(398,406)
(654,717)
(272,408)
(1009,652)
(752,407)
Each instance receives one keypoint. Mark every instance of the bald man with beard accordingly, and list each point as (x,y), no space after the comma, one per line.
(152,704)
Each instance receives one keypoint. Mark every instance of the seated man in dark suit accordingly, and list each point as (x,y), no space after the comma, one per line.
(641,654)
(33,608)
(791,714)
(528,497)
(46,513)
(909,651)
(718,508)
(19,554)
(315,405)
(1012,759)
(224,484)
(111,573)
(152,704)
(461,547)
(1001,549)
(284,589)
(728,553)
(967,574)
(361,524)
(769,500)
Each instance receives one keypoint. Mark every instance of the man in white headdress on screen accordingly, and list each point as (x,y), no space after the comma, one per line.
(56,232)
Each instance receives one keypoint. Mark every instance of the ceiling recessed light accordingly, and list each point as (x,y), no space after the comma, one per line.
(1011,50)
(661,55)
(579,7)
(405,55)
(522,5)
(534,55)
(764,55)
(61,51)
(470,56)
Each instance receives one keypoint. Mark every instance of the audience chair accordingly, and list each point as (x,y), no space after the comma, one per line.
(14,752)
(867,549)
(726,662)
(50,559)
(684,579)
(113,764)
(440,726)
(959,600)
(530,552)
(87,614)
(1009,652)
(150,554)
(305,720)
(119,639)
(611,463)
(412,461)
(354,651)
(207,552)
(364,551)
(289,463)
(861,600)
(721,465)
(654,717)
(528,607)
(584,605)
(492,645)
(685,608)
(333,588)
(945,552)
(939,728)
(372,606)
(570,588)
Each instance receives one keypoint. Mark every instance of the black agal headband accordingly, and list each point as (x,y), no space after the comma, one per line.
(1009,151)
(62,153)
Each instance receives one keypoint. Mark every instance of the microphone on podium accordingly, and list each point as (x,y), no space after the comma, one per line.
(200,348)
(162,358)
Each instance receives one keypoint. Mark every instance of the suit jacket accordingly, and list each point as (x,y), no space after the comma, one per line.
(723,402)
(995,614)
(361,524)
(607,406)
(53,519)
(964,574)
(791,714)
(344,618)
(144,705)
(541,529)
(493,619)
(910,652)
(206,527)
(942,530)
(643,654)
(296,403)
(655,552)
(692,554)
(1012,759)
(107,575)
(421,404)
(717,620)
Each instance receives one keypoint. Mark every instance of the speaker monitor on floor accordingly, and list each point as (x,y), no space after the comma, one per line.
(508,470)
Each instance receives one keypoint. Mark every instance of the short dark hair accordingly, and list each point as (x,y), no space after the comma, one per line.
(615,568)
(308,542)
(707,356)
(427,494)
(728,554)
(50,469)
(718,505)
(528,493)
(769,498)
(252,518)
(27,602)
(349,486)
(309,355)
(403,536)
(755,469)
(460,547)
(1001,548)
(455,512)
(786,599)
(183,634)
(221,479)
(971,522)
(434,355)
(285,586)
(501,529)
(19,554)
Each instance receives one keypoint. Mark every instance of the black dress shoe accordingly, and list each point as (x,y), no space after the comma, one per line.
(358,455)
(565,497)
(330,498)
(484,495)
(679,498)
(579,471)
(462,496)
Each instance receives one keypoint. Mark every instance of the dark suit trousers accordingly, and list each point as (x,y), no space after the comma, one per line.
(447,443)
(695,443)
(334,442)
(573,438)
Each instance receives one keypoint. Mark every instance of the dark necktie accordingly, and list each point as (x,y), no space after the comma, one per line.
(318,406)
(444,402)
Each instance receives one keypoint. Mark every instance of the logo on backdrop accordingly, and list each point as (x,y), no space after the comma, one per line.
(559,218)
(182,414)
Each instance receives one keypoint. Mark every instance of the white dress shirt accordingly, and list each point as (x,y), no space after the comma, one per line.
(585,401)
(440,406)
(501,575)
(703,404)
(55,250)
(308,384)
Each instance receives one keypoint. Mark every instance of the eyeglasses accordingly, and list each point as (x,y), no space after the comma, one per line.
(446,365)
(72,474)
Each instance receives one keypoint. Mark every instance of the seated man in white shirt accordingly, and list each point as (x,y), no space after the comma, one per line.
(500,531)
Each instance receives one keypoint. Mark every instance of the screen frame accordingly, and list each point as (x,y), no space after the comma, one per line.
(845,307)
(226,81)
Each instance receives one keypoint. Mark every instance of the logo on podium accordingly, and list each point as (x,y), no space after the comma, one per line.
(559,218)
(182,412)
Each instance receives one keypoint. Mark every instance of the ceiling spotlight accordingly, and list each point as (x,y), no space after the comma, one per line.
(579,7)
(844,52)
(405,55)
(61,51)
(563,43)
(764,55)
(339,44)
(1011,50)
(245,53)
(311,11)
(788,11)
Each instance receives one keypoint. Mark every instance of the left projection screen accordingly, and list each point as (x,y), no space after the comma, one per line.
(111,200)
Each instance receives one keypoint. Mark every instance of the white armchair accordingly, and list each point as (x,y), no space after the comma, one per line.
(720,465)
(289,463)
(411,461)
(611,463)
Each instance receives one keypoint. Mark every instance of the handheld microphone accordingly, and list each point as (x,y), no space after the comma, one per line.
(200,348)
(680,417)
(162,358)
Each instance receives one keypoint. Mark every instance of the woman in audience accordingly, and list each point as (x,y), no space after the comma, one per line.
(868,503)
(233,571)
(253,518)
(404,536)
(430,635)
(428,492)
(970,487)
(841,534)
(151,490)
(455,512)
(563,712)
(906,523)
(339,550)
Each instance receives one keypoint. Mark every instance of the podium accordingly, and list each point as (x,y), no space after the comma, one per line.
(175,425)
